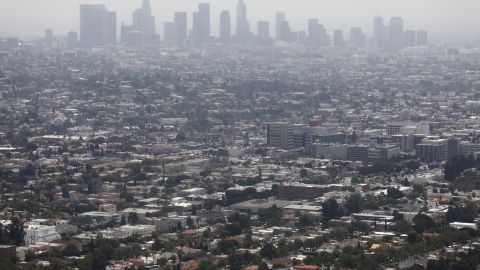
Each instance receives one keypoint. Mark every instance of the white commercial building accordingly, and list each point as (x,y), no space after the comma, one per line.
(128,230)
(41,233)
(173,223)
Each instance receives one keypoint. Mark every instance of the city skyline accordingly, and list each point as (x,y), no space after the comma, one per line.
(439,22)
(97,28)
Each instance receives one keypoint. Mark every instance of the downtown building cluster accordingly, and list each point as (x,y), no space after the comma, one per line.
(98,27)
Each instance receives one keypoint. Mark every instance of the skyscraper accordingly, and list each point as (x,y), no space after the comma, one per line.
(396,34)
(285,31)
(143,20)
(313,34)
(422,38)
(196,26)
(171,34)
(338,39)
(280,17)
(225,27)
(49,37)
(263,29)
(181,20)
(301,37)
(317,34)
(357,37)
(410,38)
(201,23)
(72,40)
(378,33)
(243,30)
(97,26)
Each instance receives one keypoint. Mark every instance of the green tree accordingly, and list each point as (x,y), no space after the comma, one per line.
(157,245)
(71,250)
(466,213)
(227,246)
(181,136)
(263,266)
(7,264)
(297,244)
(272,216)
(132,218)
(127,196)
(306,220)
(92,261)
(394,194)
(412,165)
(243,220)
(190,222)
(412,237)
(283,248)
(422,223)
(16,231)
(354,203)
(206,265)
(330,209)
(402,226)
(268,251)
(65,193)
(57,264)
(233,229)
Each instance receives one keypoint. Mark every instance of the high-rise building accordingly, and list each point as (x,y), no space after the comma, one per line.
(280,17)
(357,37)
(181,20)
(410,38)
(133,38)
(143,20)
(378,33)
(49,37)
(142,31)
(396,34)
(280,135)
(201,23)
(263,29)
(338,40)
(196,25)
(243,30)
(126,31)
(72,40)
(171,34)
(285,32)
(453,148)
(432,150)
(313,34)
(225,27)
(301,37)
(422,38)
(97,26)
(317,34)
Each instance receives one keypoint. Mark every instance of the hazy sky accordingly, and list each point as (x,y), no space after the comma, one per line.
(29,18)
